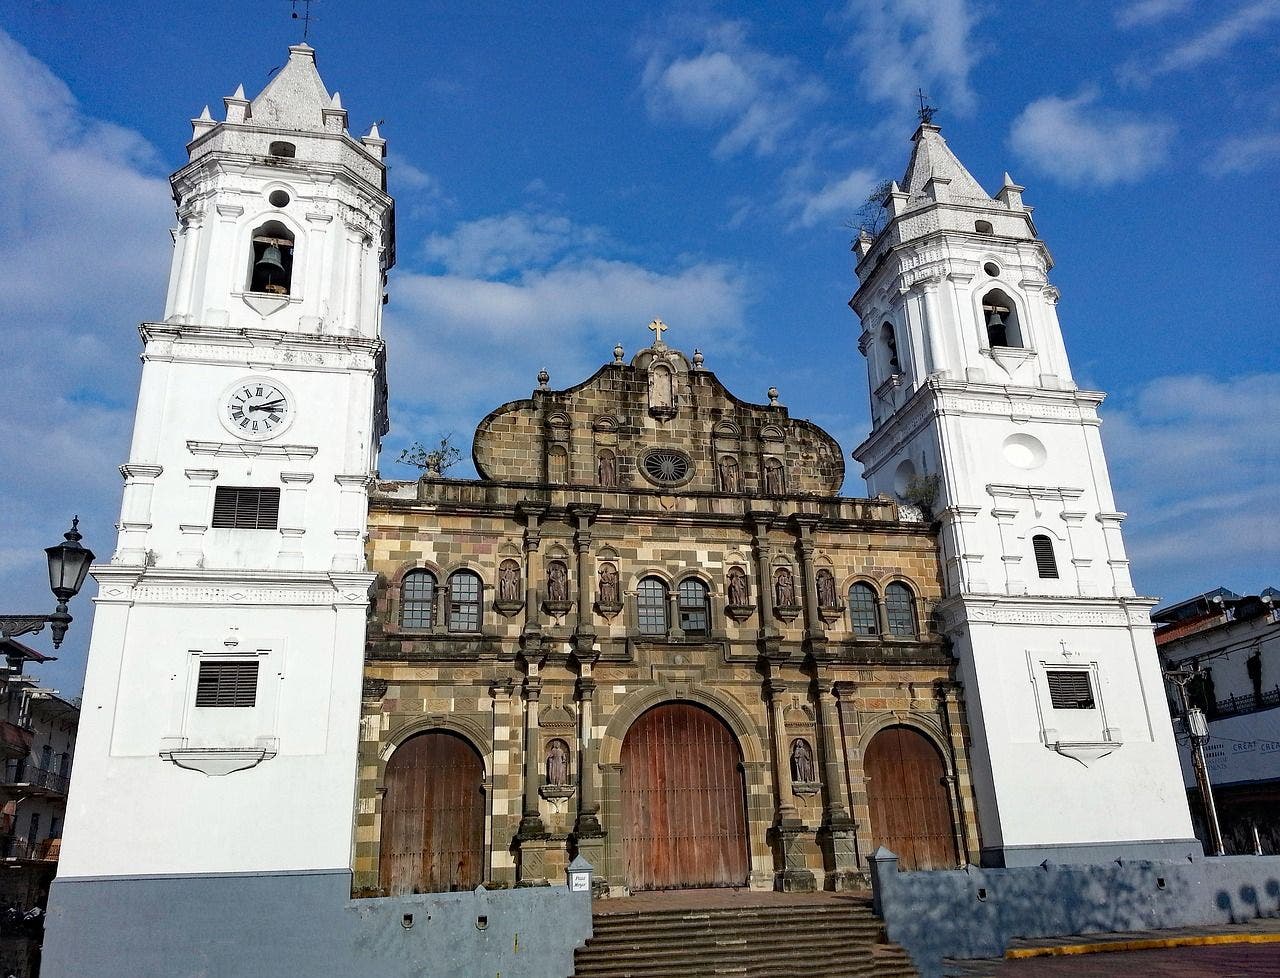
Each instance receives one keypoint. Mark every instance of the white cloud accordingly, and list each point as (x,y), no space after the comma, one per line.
(1190,464)
(500,244)
(728,84)
(1143,12)
(1244,154)
(1209,45)
(402,174)
(1079,142)
(84,212)
(836,201)
(909,44)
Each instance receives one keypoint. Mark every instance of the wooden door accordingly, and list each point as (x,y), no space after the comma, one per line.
(432,816)
(910,806)
(683,802)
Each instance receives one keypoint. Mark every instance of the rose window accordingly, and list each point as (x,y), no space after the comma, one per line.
(666,467)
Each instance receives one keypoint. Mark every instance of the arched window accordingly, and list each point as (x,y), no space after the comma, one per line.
(862,610)
(1001,318)
(900,607)
(1046,563)
(695,607)
(890,344)
(651,606)
(282,148)
(465,590)
(272,269)
(983,227)
(417,599)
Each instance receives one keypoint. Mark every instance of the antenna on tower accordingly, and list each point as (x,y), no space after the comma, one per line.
(926,110)
(305,16)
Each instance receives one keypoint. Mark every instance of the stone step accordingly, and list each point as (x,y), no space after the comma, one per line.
(840,959)
(643,930)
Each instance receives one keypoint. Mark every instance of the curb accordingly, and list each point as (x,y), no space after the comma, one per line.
(1141,944)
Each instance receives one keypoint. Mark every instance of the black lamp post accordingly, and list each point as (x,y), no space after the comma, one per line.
(68,566)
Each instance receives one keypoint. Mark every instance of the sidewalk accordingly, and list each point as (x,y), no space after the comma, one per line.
(1251,948)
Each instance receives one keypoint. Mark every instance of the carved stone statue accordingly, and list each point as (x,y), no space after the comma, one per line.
(728,474)
(784,589)
(509,581)
(557,581)
(802,769)
(738,594)
(773,481)
(557,762)
(608,585)
(827,590)
(607,470)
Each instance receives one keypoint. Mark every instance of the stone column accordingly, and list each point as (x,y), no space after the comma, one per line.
(791,832)
(814,632)
(532,569)
(584,635)
(532,833)
(770,640)
(500,828)
(837,836)
(949,708)
(588,832)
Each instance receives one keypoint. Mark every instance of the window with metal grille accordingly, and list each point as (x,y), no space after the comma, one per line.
(651,606)
(246,508)
(694,607)
(417,599)
(465,590)
(1046,564)
(900,607)
(227,683)
(1070,689)
(862,610)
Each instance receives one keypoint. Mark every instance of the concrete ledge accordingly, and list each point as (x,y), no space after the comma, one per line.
(976,913)
(1139,944)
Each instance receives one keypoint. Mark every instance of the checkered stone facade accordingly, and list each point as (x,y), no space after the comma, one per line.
(568,659)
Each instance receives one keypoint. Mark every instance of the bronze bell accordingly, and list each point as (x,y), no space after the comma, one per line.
(271,264)
(994,319)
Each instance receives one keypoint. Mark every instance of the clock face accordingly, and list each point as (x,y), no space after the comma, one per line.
(256,408)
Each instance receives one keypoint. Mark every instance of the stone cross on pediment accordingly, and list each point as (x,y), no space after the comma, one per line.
(658,327)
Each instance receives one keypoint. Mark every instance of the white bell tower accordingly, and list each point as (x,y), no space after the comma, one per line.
(221,705)
(976,417)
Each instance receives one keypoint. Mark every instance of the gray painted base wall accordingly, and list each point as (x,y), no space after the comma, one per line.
(975,913)
(1093,852)
(304,924)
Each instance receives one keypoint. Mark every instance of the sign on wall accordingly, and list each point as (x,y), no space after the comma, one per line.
(1243,748)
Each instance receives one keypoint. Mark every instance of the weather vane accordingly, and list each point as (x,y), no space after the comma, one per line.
(305,16)
(926,110)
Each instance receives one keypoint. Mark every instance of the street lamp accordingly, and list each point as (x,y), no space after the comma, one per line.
(68,566)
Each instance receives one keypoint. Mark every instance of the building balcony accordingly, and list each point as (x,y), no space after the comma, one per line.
(24,778)
(44,851)
(1234,706)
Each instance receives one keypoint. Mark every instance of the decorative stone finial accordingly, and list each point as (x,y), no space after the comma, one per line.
(697,359)
(658,327)
(773,397)
(618,351)
(544,379)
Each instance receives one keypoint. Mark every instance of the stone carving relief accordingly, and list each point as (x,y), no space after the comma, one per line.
(557,581)
(729,475)
(738,592)
(784,588)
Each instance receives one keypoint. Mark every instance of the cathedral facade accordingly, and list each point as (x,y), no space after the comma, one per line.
(652,632)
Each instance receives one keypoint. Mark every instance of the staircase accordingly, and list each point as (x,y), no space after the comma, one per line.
(838,937)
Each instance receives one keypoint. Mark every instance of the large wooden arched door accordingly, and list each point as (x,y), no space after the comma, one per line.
(683,804)
(432,816)
(910,807)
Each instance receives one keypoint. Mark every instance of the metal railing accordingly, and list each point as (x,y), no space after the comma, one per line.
(23,772)
(1234,706)
(46,850)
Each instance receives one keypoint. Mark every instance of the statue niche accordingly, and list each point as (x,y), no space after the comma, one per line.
(662,391)
(729,480)
(558,763)
(803,771)
(509,599)
(608,595)
(607,470)
(558,601)
(785,604)
(739,607)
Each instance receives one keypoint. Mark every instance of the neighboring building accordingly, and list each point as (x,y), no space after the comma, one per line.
(37,740)
(1232,643)
(728,673)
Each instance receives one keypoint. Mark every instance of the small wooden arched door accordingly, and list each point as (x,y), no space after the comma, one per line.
(910,806)
(432,816)
(683,801)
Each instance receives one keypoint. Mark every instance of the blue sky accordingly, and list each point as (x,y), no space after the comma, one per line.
(563,177)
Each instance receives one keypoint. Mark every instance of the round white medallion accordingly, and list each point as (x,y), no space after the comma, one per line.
(1024,451)
(256,408)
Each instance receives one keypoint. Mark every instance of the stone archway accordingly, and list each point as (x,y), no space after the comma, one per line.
(432,816)
(908,798)
(684,812)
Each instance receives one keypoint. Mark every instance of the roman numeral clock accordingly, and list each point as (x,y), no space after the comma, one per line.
(256,408)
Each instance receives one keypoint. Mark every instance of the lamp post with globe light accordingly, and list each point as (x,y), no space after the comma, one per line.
(68,566)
